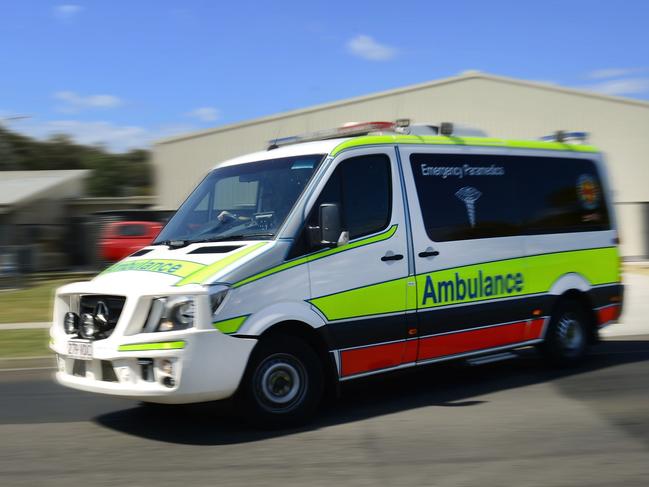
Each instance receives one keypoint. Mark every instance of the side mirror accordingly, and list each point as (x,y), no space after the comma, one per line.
(329,230)
(330,224)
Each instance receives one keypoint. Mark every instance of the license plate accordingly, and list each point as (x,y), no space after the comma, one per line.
(80,350)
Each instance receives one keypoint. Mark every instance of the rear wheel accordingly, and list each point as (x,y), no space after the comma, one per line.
(283,384)
(567,337)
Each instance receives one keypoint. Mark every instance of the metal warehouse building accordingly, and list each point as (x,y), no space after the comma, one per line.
(503,107)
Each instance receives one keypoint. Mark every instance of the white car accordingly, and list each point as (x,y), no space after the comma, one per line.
(371,249)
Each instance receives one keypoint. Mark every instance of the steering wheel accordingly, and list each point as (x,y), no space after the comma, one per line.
(223,218)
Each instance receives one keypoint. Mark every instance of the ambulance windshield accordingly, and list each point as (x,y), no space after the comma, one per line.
(240,202)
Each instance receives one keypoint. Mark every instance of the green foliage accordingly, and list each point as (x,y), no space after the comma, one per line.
(124,174)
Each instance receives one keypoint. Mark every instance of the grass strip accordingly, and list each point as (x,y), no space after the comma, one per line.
(31,304)
(24,343)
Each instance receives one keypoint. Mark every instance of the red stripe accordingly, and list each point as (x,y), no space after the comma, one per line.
(534,329)
(608,314)
(468,341)
(410,353)
(388,355)
(371,358)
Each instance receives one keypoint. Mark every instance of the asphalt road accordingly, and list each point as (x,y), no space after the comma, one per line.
(509,423)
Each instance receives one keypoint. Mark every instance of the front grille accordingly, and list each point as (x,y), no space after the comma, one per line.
(91,303)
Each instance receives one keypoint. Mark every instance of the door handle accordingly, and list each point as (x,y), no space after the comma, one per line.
(429,253)
(386,257)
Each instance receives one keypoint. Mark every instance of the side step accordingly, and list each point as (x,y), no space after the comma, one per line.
(487,359)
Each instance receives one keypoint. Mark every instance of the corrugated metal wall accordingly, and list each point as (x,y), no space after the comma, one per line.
(502,107)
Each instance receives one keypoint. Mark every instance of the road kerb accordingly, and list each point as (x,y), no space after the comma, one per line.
(24,326)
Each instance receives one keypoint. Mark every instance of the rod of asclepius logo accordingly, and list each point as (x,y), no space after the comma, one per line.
(469,195)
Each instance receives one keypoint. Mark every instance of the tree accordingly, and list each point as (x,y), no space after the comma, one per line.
(112,174)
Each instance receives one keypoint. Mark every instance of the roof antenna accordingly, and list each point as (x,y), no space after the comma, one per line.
(273,145)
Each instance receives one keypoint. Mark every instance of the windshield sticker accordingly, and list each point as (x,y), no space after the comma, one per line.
(469,195)
(303,164)
(588,192)
(462,171)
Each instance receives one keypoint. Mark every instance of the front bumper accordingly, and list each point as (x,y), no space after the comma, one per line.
(208,367)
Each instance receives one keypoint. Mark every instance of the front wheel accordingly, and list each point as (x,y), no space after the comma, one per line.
(566,340)
(283,383)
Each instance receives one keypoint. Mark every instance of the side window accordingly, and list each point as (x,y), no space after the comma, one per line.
(367,194)
(466,196)
(562,195)
(362,187)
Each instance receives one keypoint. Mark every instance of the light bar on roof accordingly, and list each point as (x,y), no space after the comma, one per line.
(563,136)
(348,130)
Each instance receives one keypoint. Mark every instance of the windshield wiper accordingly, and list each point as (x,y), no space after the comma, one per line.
(176,244)
(239,236)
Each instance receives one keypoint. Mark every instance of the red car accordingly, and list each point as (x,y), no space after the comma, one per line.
(121,239)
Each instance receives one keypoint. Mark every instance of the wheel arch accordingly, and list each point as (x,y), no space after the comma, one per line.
(569,282)
(575,288)
(318,339)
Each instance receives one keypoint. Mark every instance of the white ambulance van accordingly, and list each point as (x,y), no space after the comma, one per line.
(346,253)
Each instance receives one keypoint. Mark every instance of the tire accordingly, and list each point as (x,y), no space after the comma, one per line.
(567,338)
(283,383)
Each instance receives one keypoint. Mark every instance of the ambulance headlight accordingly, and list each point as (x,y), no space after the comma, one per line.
(71,322)
(88,325)
(171,314)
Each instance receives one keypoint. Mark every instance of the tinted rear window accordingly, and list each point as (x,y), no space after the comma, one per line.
(466,196)
(562,195)
(481,196)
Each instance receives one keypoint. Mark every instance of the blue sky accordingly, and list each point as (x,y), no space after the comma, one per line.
(124,73)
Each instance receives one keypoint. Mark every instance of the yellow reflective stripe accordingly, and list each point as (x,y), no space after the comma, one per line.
(273,270)
(598,266)
(179,268)
(538,272)
(386,297)
(471,141)
(137,347)
(356,243)
(202,275)
(231,325)
(319,255)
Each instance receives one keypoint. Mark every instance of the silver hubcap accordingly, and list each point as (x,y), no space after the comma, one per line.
(280,382)
(571,335)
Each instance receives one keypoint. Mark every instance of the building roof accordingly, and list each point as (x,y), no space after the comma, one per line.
(468,75)
(18,187)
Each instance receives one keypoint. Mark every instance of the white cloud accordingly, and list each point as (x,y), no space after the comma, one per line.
(613,72)
(366,47)
(67,11)
(205,114)
(628,86)
(73,102)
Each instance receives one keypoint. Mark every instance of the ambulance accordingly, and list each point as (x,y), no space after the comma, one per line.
(350,252)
